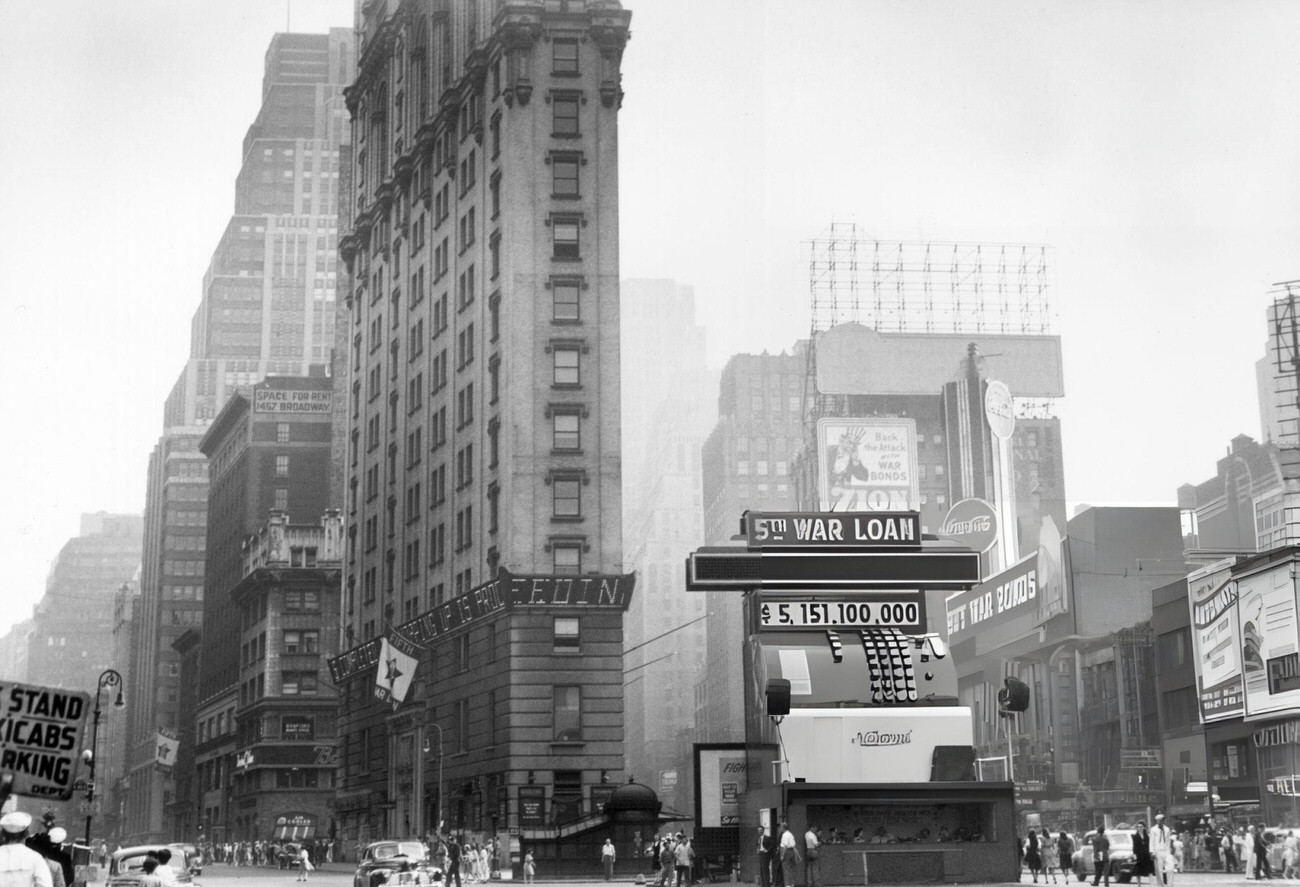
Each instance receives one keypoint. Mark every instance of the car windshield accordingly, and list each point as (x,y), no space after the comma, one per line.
(134,864)
(1120,840)
(411,849)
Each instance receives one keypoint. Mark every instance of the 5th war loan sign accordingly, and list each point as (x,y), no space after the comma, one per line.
(41,738)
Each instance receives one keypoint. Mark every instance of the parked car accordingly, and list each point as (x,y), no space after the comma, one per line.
(396,862)
(1121,856)
(289,855)
(126,867)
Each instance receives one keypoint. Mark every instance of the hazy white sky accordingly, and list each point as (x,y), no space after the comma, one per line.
(1153,144)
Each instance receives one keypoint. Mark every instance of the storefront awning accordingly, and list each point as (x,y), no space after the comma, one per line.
(294,832)
(808,659)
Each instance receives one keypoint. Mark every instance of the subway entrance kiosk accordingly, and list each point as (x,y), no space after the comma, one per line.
(852,722)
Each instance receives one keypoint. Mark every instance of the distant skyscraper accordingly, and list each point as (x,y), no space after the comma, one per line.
(72,631)
(13,651)
(267,307)
(747,461)
(72,640)
(669,406)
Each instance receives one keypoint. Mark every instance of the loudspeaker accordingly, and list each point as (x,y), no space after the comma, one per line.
(778,697)
(952,763)
(1014,695)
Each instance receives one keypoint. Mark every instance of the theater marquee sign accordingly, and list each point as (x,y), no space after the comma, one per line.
(507,592)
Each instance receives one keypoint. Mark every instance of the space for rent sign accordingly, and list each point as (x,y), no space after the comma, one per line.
(41,738)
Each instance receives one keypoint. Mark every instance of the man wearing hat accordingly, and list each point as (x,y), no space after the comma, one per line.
(1162,841)
(20,866)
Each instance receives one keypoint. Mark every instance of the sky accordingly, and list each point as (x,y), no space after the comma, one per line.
(1153,145)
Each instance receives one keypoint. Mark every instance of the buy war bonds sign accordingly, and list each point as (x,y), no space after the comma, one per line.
(867,465)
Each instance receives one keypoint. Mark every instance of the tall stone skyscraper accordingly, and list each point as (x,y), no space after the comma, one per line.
(483,427)
(267,308)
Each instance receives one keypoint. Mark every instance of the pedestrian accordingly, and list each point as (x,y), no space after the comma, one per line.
(1065,852)
(789,856)
(764,852)
(304,863)
(1033,855)
(684,857)
(666,861)
(150,877)
(1261,856)
(1161,851)
(811,853)
(453,863)
(607,854)
(530,867)
(20,865)
(1143,862)
(50,845)
(166,873)
(1100,857)
(1289,856)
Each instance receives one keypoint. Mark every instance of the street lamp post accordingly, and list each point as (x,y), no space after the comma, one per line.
(438,824)
(108,678)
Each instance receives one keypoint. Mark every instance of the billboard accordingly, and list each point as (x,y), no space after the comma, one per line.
(1270,641)
(867,465)
(720,781)
(999,609)
(1216,653)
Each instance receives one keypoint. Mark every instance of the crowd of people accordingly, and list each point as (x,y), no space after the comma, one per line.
(272,854)
(1160,851)
(39,860)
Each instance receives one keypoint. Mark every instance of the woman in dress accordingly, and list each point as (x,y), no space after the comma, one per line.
(1033,856)
(1143,864)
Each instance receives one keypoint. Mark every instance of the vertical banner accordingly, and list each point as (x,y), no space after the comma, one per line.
(1270,641)
(165,749)
(398,658)
(1000,414)
(1216,641)
(867,465)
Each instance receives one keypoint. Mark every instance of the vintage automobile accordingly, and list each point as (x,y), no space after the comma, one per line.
(1121,855)
(192,854)
(396,862)
(126,866)
(289,856)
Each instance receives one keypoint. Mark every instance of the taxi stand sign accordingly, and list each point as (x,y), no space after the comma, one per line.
(41,737)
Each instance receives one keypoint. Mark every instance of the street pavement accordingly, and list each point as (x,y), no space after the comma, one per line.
(340,875)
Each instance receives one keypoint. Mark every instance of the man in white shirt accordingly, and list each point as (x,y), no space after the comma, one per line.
(20,866)
(1161,848)
(788,853)
(811,863)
